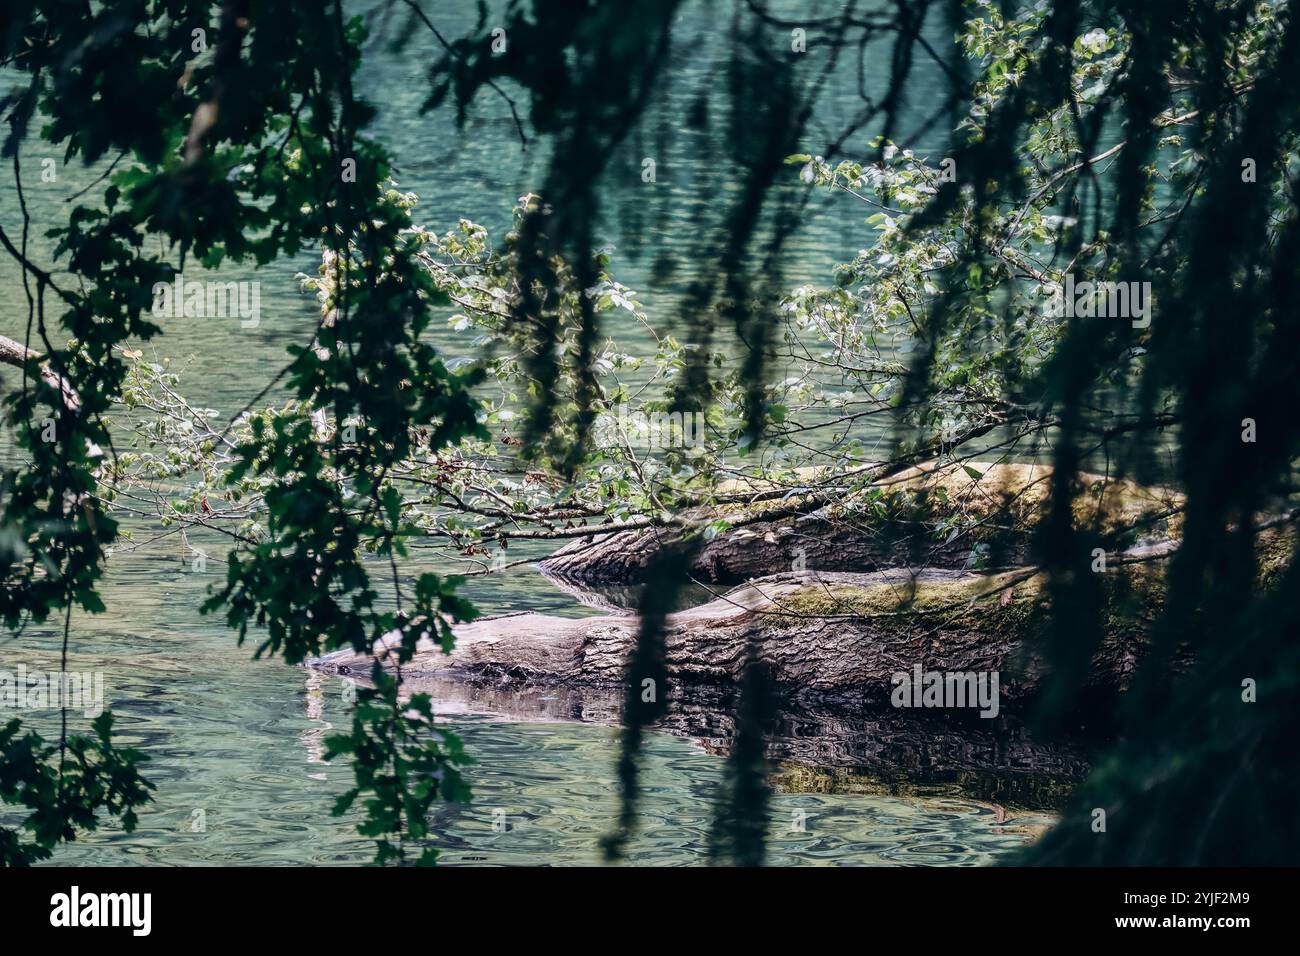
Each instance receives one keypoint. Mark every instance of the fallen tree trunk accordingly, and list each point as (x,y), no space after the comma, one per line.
(822,636)
(952,516)
(16,354)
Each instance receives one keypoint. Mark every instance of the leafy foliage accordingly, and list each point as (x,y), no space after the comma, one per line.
(64,785)
(1102,140)
(248,151)
(404,761)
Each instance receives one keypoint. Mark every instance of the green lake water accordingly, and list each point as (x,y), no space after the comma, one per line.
(235,744)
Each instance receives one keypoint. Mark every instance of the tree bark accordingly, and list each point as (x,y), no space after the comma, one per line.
(823,636)
(16,354)
(993,507)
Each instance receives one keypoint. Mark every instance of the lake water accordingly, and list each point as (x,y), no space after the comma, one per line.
(235,744)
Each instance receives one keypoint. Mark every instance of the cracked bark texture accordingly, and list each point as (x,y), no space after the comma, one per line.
(998,505)
(823,635)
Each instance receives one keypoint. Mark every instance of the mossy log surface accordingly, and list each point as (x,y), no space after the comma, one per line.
(822,635)
(929,516)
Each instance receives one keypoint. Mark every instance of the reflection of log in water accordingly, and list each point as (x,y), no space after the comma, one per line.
(813,748)
(313,738)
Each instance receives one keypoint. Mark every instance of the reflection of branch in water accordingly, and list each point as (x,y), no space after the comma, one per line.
(313,738)
(620,598)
